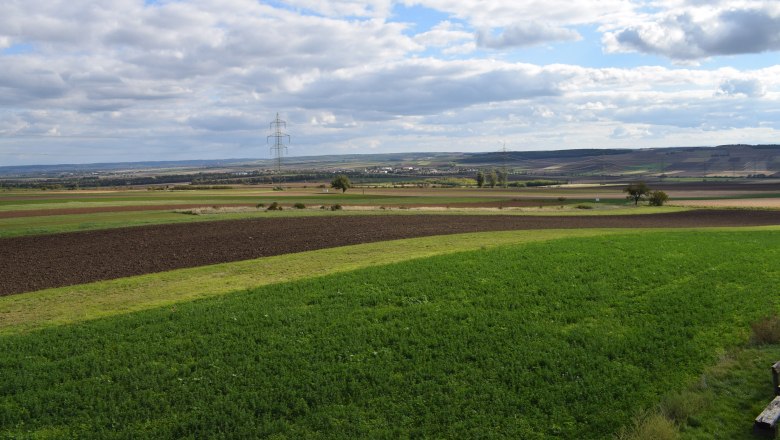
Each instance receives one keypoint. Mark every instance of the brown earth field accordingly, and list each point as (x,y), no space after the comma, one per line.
(38,262)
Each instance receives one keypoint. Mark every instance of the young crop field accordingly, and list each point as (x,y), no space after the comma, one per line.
(570,338)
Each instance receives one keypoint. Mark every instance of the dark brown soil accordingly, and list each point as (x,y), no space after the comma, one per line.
(38,262)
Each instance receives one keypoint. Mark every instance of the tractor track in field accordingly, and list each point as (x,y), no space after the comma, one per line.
(37,262)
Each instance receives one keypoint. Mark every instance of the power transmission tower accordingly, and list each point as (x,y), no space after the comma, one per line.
(279,147)
(503,165)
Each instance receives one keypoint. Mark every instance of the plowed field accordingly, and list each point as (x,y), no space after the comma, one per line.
(38,262)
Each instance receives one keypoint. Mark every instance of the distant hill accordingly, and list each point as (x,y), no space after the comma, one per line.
(724,160)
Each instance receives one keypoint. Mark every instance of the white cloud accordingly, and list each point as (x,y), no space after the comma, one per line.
(746,87)
(494,14)
(695,31)
(444,34)
(345,8)
(525,34)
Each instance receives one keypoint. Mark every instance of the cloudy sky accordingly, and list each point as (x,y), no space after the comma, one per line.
(130,80)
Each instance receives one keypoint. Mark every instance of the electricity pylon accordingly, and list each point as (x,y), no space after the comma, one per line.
(279,147)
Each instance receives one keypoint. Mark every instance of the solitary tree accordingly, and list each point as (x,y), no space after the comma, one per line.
(341,182)
(637,191)
(492,179)
(480,179)
(658,198)
(502,178)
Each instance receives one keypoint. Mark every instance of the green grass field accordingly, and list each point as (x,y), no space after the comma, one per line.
(31,200)
(569,338)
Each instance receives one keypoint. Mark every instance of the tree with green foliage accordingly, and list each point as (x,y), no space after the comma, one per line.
(480,179)
(637,191)
(341,182)
(502,178)
(658,198)
(492,178)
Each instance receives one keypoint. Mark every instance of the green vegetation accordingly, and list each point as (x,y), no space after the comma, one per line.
(452,182)
(488,343)
(536,183)
(657,198)
(177,198)
(637,191)
(71,304)
(491,178)
(341,182)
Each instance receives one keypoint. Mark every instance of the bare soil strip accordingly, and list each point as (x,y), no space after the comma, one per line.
(38,262)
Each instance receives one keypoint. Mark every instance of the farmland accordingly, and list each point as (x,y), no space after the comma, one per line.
(497,342)
(531,317)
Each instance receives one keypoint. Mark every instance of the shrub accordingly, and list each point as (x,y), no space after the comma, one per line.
(767,330)
(299,206)
(274,207)
(657,198)
(650,427)
(584,206)
(561,199)
(278,188)
(679,407)
(323,207)
(260,205)
(335,207)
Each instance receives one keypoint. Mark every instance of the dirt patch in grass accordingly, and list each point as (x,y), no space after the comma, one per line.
(38,262)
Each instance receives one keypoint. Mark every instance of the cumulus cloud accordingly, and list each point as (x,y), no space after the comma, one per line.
(690,34)
(630,132)
(345,8)
(494,14)
(446,35)
(23,81)
(422,87)
(746,87)
(526,34)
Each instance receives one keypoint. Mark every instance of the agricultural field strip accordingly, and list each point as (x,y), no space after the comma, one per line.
(382,353)
(55,224)
(330,198)
(65,305)
(40,262)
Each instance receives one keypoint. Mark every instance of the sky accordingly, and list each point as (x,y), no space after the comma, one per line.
(84,81)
